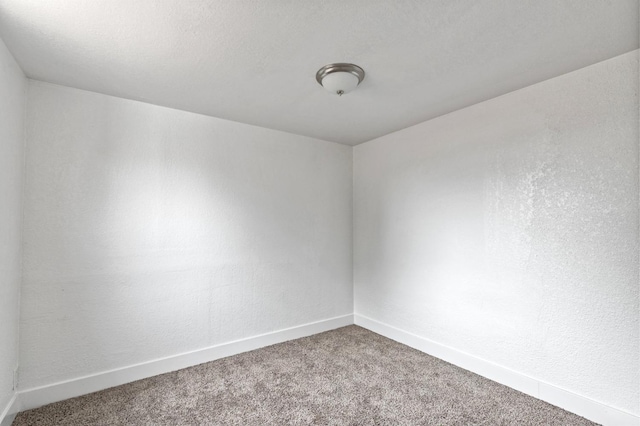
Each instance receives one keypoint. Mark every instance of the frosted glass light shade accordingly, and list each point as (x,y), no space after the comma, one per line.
(340,82)
(340,78)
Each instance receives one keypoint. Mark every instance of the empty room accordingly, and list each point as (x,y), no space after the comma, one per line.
(332,212)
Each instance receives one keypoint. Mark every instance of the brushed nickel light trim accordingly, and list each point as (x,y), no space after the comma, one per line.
(340,67)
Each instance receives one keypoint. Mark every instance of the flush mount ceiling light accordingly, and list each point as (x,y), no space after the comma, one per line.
(340,78)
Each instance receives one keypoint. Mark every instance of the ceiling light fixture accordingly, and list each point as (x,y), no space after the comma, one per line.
(340,78)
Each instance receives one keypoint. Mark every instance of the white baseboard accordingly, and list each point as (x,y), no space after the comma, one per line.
(588,408)
(578,404)
(37,397)
(10,411)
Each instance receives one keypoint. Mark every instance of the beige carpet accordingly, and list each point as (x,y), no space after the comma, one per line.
(348,376)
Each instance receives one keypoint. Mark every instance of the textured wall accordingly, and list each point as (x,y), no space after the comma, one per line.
(12,100)
(151,232)
(509,230)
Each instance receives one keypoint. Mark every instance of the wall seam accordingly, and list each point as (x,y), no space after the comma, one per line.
(353,231)
(22,220)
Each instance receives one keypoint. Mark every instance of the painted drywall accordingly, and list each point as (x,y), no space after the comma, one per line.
(150,232)
(12,104)
(509,230)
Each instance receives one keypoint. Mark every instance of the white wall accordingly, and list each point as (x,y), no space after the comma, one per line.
(12,103)
(509,230)
(151,232)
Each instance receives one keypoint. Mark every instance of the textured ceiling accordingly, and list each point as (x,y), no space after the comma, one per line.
(255,61)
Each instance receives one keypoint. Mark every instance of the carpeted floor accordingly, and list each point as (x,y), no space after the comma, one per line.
(348,376)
